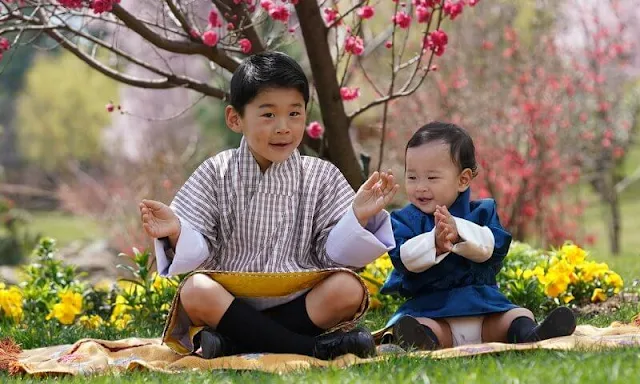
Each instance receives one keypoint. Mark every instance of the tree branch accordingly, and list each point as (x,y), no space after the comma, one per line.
(241,14)
(171,81)
(183,47)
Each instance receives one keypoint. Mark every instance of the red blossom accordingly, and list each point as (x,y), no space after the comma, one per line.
(210,38)
(245,45)
(315,130)
(402,20)
(366,12)
(348,94)
(354,45)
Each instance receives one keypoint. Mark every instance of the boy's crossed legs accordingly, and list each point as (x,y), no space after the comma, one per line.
(289,328)
(514,326)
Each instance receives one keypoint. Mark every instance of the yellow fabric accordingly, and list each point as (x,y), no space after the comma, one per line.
(100,356)
(250,285)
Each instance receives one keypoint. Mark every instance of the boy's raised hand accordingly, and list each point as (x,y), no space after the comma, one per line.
(446,230)
(374,195)
(158,220)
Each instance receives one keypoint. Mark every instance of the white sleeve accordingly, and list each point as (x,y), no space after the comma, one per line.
(419,253)
(191,251)
(352,245)
(477,241)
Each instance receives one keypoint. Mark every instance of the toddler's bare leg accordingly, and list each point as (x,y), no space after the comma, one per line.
(496,326)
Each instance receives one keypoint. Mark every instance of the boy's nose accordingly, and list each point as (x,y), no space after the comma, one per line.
(282,127)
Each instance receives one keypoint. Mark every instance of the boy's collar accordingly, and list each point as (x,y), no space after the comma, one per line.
(250,169)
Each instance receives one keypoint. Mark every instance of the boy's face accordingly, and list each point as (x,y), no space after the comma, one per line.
(273,124)
(431,177)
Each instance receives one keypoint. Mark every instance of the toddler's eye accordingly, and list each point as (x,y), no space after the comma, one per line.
(411,177)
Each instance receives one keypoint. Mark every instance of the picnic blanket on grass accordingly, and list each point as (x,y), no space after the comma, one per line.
(92,356)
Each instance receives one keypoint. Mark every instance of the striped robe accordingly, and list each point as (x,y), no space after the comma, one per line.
(276,221)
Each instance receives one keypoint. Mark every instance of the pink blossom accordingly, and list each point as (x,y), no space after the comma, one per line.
(402,20)
(245,45)
(280,13)
(330,15)
(230,27)
(423,13)
(100,6)
(452,9)
(4,44)
(348,94)
(72,4)
(436,41)
(266,4)
(109,107)
(366,12)
(473,2)
(354,45)
(315,130)
(388,44)
(210,38)
(214,19)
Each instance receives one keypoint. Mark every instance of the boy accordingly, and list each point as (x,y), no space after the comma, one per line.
(264,209)
(448,252)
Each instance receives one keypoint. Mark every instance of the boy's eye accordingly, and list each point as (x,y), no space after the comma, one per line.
(269,114)
(294,114)
(432,178)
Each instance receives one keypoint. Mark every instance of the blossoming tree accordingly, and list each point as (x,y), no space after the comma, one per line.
(338,37)
(537,122)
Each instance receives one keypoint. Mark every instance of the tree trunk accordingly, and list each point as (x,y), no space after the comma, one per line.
(613,205)
(336,121)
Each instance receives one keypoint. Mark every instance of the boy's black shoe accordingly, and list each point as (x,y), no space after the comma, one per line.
(560,322)
(358,342)
(214,345)
(409,333)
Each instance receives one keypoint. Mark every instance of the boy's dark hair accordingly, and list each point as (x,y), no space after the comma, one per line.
(263,71)
(463,152)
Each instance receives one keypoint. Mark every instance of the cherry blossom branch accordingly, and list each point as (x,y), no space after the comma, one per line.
(170,81)
(183,47)
(248,29)
(177,13)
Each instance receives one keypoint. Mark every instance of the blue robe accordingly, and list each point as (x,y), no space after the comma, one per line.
(456,286)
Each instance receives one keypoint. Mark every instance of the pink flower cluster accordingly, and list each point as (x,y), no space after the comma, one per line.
(348,94)
(354,45)
(277,11)
(100,6)
(4,46)
(436,41)
(315,130)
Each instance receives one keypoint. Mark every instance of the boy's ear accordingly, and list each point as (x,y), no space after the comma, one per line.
(233,119)
(465,179)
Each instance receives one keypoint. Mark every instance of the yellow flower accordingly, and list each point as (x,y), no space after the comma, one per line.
(64,312)
(165,307)
(11,302)
(592,270)
(383,263)
(614,280)
(574,254)
(598,295)
(556,285)
(120,308)
(72,299)
(91,322)
(518,272)
(122,322)
(567,299)
(527,274)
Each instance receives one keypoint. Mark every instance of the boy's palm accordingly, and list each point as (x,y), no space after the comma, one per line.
(374,195)
(158,220)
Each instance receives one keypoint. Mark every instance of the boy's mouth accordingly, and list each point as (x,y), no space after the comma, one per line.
(280,145)
(424,200)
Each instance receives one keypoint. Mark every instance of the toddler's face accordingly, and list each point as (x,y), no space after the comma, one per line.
(431,177)
(273,124)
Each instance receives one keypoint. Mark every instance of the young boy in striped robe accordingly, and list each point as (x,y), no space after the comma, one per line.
(263,211)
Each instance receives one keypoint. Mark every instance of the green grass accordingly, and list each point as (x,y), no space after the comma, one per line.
(64,228)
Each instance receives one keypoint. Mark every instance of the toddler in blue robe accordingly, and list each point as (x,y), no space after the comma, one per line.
(448,252)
